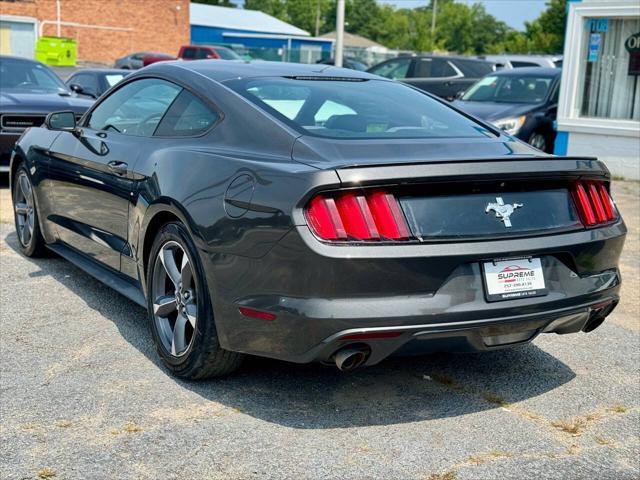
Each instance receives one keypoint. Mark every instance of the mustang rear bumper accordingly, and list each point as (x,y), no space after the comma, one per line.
(420,303)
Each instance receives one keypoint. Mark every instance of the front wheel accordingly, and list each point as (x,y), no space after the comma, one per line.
(26,215)
(180,309)
(538,141)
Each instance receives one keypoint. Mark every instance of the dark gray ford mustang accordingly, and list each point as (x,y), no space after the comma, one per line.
(310,213)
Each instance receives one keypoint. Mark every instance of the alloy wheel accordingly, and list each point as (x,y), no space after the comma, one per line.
(175,302)
(24,208)
(538,141)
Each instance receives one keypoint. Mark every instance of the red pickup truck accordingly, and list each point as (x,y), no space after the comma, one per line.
(194,52)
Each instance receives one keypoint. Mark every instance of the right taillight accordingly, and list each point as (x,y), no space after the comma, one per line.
(371,216)
(594,203)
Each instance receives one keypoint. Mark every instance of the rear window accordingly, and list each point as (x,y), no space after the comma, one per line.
(352,108)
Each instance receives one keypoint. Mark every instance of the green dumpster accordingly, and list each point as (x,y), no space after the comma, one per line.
(57,51)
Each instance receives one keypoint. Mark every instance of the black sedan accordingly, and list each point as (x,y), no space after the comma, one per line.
(93,82)
(523,102)
(313,213)
(28,92)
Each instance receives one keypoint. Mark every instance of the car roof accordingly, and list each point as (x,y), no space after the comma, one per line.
(221,70)
(21,59)
(528,72)
(102,70)
(450,57)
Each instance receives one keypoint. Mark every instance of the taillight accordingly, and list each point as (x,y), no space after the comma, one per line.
(370,216)
(594,203)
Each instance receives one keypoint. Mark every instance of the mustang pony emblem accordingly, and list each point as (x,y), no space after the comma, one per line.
(503,211)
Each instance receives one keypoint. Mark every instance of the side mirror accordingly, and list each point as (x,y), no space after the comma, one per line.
(82,91)
(61,121)
(459,95)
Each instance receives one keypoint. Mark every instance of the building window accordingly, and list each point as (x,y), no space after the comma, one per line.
(609,84)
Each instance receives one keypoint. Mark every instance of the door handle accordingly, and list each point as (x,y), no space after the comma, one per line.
(119,168)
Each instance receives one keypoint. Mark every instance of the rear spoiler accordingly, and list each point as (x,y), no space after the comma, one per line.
(507,168)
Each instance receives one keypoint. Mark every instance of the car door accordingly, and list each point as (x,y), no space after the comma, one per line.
(435,75)
(91,168)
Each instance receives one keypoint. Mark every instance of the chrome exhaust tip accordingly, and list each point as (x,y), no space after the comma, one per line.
(349,359)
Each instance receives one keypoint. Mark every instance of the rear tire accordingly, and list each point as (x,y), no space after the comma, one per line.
(25,215)
(180,309)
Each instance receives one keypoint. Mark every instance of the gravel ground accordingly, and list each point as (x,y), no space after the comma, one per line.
(82,396)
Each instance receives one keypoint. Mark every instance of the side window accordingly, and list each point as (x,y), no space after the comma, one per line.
(202,53)
(189,53)
(442,69)
(187,116)
(394,69)
(89,83)
(136,108)
(423,68)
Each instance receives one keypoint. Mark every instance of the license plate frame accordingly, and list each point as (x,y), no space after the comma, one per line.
(513,278)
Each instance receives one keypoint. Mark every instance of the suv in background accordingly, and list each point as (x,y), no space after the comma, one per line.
(443,76)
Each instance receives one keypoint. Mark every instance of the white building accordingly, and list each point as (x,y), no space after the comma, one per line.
(599,108)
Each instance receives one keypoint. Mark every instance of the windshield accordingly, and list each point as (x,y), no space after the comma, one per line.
(227,54)
(353,108)
(509,89)
(24,75)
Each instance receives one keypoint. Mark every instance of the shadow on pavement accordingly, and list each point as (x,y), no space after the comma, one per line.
(398,390)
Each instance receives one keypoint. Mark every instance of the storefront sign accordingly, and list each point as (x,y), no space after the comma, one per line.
(595,40)
(597,24)
(632,45)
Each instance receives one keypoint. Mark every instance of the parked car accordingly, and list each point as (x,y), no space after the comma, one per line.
(93,82)
(196,52)
(277,210)
(443,76)
(347,62)
(520,61)
(134,61)
(28,92)
(523,102)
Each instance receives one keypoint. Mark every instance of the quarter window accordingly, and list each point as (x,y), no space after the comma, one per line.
(136,108)
(187,116)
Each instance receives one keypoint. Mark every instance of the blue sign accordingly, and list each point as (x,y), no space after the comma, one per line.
(597,24)
(595,40)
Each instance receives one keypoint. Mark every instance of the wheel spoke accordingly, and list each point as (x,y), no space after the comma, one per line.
(164,305)
(178,343)
(185,271)
(25,187)
(191,311)
(22,208)
(168,259)
(25,234)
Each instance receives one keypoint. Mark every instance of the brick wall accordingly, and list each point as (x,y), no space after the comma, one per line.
(157,25)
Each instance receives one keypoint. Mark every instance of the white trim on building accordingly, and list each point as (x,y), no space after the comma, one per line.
(616,141)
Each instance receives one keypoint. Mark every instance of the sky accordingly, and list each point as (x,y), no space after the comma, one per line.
(513,12)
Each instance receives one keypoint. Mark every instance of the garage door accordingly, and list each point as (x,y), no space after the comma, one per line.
(17,38)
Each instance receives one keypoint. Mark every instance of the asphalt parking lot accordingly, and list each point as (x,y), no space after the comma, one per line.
(83,396)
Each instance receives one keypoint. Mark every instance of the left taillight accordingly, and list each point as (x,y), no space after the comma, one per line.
(594,203)
(371,216)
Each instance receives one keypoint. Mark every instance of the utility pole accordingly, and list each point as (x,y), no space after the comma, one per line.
(339,33)
(434,3)
(317,18)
